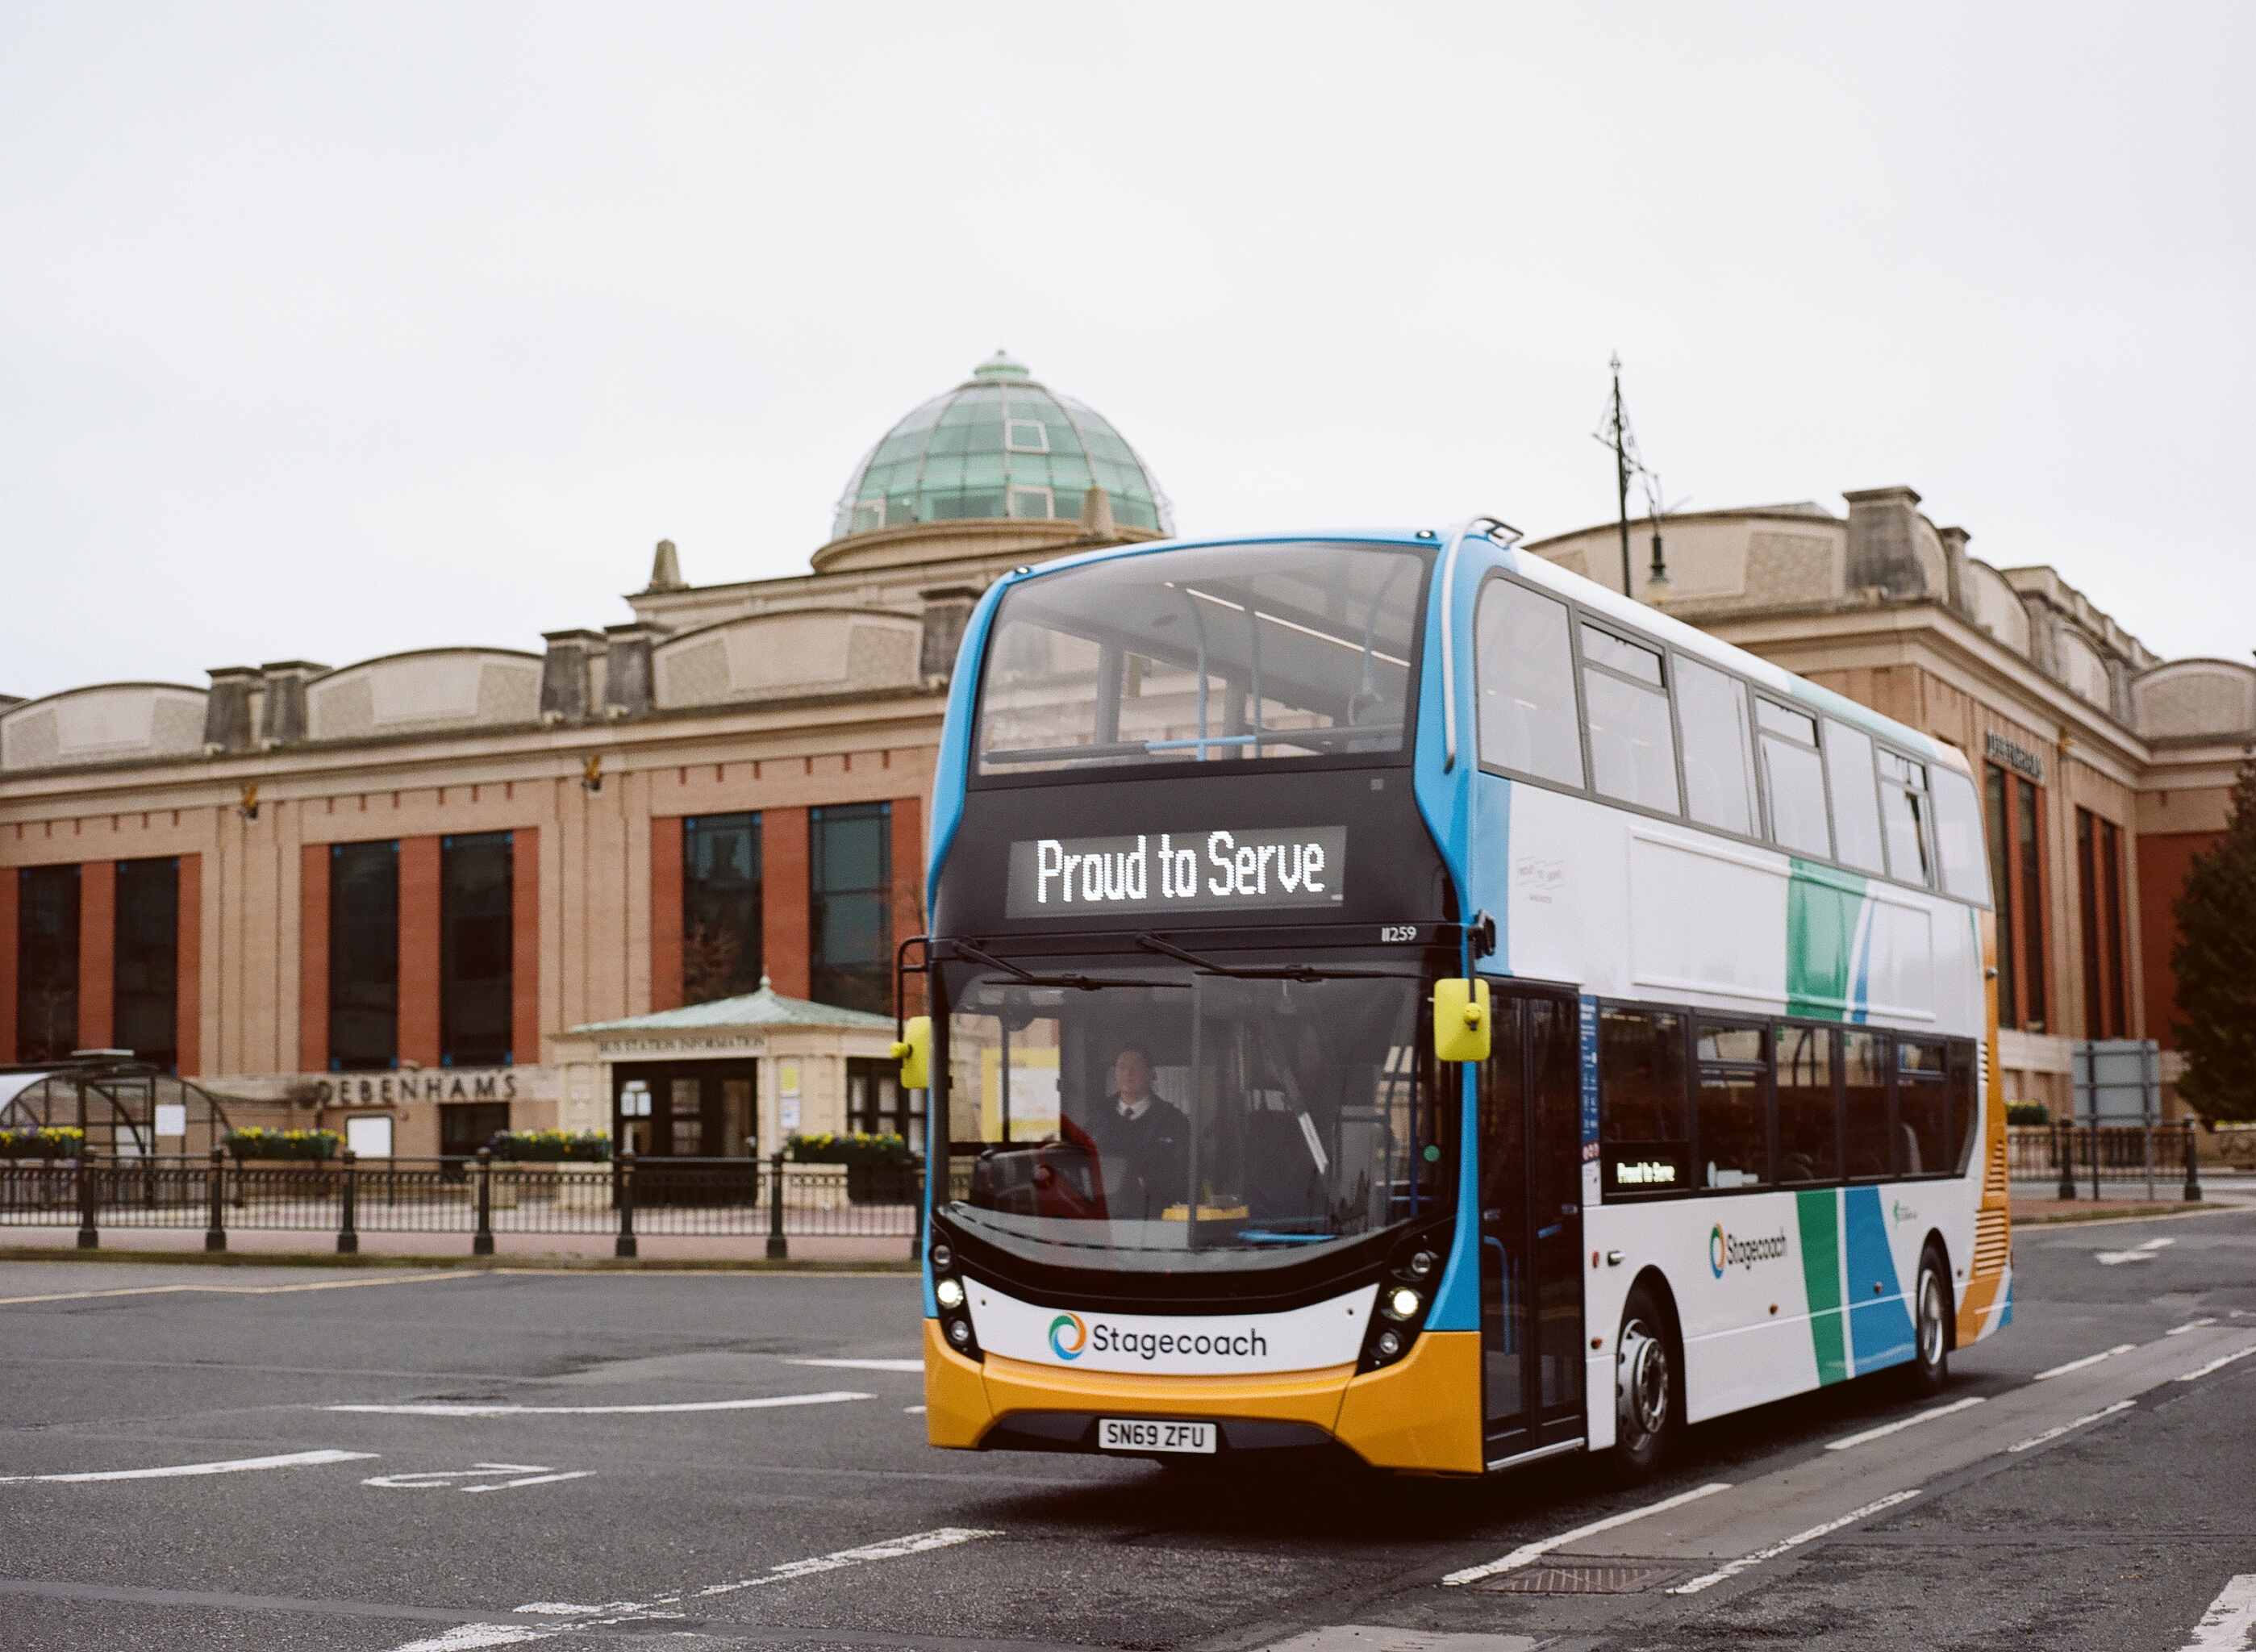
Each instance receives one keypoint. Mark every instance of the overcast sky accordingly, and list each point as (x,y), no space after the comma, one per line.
(328,331)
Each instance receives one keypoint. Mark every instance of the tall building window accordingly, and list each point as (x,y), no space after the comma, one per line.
(2016,881)
(2100,873)
(720,906)
(148,960)
(363,956)
(851,873)
(475,919)
(47,963)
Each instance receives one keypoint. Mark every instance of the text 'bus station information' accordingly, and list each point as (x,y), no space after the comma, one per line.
(1178,871)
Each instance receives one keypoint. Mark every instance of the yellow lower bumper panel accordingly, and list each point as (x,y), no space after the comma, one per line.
(1421,1415)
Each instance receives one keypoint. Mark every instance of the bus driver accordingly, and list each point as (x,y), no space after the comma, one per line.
(1143,1144)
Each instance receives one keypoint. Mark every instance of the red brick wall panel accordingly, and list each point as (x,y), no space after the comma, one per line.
(312,956)
(666,913)
(908,888)
(11,895)
(2164,859)
(97,954)
(190,987)
(418,951)
(524,945)
(784,945)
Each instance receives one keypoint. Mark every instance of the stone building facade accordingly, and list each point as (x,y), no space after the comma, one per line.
(404,886)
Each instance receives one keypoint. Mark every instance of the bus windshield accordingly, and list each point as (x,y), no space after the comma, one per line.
(1157,1116)
(1230,654)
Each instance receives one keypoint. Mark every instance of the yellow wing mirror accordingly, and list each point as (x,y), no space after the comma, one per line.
(1461,1021)
(915,1053)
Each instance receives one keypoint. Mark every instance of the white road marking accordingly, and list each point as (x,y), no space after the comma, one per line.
(1901,1423)
(179,1471)
(862,1365)
(2066,1428)
(466,1636)
(2218,1364)
(833,1397)
(2143,1253)
(2190,1325)
(232,1290)
(2088,1359)
(1526,1552)
(536,1480)
(2230,1623)
(1733,1569)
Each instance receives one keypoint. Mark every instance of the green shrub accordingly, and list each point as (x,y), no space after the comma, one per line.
(550,1146)
(2027,1112)
(255,1143)
(53,1141)
(855,1149)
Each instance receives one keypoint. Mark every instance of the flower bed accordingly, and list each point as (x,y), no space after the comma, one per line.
(255,1143)
(53,1141)
(550,1146)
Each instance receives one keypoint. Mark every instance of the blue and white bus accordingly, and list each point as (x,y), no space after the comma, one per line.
(1387,992)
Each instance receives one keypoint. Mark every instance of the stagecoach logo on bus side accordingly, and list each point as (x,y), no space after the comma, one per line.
(1069,1336)
(1728,1250)
(1214,870)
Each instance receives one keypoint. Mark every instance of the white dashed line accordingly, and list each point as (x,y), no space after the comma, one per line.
(2088,1359)
(1900,1424)
(1735,1567)
(182,1470)
(2218,1364)
(1526,1552)
(834,1397)
(2035,1440)
(2230,1623)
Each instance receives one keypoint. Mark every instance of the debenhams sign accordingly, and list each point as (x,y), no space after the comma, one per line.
(1178,871)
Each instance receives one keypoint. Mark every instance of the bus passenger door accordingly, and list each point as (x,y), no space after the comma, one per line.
(1531,1223)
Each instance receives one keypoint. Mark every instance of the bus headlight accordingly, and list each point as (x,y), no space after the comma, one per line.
(1402,1303)
(949,1292)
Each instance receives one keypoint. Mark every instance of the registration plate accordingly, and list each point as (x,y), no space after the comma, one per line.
(1120,1434)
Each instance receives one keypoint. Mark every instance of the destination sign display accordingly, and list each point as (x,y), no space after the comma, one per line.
(1212,871)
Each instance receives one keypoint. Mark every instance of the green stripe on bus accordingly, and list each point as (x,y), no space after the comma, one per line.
(1822,904)
(1818,1215)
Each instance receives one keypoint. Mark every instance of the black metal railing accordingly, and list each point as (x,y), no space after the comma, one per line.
(2080,1159)
(478,1196)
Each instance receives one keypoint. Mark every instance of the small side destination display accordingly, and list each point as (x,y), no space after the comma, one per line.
(1178,871)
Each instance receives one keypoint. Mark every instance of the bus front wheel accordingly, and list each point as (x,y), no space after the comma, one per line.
(1644,1389)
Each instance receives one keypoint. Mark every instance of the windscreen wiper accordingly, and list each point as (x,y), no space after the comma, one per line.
(1079,983)
(1262,971)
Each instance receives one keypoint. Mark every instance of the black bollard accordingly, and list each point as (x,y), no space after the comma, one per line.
(482,1242)
(347,1214)
(89,1238)
(624,1178)
(215,1230)
(779,1246)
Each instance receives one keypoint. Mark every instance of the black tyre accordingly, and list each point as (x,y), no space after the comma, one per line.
(1644,1389)
(1931,1312)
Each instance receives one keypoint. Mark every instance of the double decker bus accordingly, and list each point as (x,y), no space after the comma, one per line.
(1389,992)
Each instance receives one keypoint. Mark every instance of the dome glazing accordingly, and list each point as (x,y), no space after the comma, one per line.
(998,445)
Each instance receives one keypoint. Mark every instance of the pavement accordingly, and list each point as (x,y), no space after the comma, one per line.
(439,1460)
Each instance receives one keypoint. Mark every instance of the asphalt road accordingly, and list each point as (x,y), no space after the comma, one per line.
(490,1459)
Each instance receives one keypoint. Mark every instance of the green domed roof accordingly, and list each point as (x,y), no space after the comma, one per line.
(999,444)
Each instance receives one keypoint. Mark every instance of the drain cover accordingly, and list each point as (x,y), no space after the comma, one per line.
(1579,1580)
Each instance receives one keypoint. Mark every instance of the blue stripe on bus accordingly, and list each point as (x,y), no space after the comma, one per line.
(1879,1323)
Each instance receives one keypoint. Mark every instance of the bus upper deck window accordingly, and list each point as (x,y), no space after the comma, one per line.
(1632,746)
(1527,674)
(1795,778)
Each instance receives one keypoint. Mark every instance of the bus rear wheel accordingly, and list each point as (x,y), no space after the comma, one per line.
(1645,1390)
(1930,1364)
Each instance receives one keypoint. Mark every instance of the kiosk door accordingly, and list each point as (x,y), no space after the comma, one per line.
(1531,1215)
